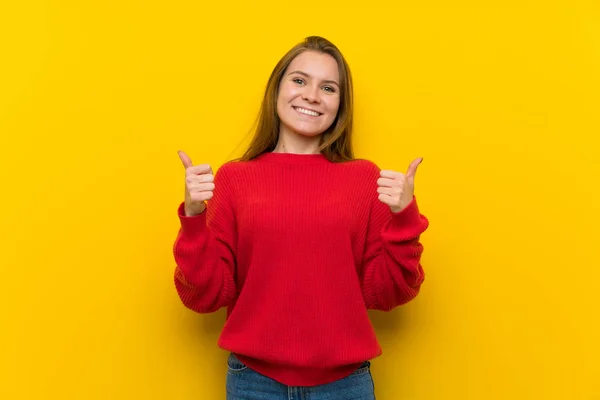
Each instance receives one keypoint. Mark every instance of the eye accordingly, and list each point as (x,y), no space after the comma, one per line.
(299,81)
(329,89)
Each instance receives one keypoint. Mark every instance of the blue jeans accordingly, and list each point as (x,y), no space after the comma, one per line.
(245,384)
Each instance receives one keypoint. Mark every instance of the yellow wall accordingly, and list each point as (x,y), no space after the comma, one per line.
(501,100)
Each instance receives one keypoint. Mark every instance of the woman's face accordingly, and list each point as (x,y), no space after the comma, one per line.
(309,94)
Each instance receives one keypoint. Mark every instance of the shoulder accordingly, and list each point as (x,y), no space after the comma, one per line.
(226,173)
(361,174)
(235,171)
(235,166)
(228,168)
(363,167)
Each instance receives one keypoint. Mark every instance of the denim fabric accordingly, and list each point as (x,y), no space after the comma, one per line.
(245,384)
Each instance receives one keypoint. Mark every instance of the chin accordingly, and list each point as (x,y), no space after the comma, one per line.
(306,131)
(308,134)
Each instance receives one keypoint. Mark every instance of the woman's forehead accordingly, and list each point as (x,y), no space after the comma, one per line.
(317,65)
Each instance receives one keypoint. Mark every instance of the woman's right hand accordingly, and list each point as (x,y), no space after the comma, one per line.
(199,185)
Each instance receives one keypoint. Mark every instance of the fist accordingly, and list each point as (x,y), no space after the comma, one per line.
(397,189)
(199,185)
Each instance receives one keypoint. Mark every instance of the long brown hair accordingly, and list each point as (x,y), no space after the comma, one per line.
(336,141)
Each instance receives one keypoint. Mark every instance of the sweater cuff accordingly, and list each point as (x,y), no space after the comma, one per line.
(409,216)
(194,225)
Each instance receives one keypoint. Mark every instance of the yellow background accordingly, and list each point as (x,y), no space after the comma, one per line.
(501,98)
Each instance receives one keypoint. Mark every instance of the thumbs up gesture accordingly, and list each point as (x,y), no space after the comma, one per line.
(397,189)
(199,185)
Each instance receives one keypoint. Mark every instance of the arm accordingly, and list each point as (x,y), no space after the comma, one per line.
(391,272)
(204,252)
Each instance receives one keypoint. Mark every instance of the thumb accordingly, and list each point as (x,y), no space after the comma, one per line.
(412,168)
(185,159)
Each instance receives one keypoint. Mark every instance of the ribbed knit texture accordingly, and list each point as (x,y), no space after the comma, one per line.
(298,248)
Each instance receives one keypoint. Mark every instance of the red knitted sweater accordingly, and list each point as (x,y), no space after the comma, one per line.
(298,248)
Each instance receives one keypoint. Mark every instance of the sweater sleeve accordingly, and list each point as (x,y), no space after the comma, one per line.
(204,252)
(392,273)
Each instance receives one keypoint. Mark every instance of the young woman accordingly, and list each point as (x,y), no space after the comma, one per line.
(298,240)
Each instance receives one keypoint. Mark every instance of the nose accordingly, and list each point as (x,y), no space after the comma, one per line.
(311,94)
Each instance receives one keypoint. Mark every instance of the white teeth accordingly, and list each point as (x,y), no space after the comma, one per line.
(307,112)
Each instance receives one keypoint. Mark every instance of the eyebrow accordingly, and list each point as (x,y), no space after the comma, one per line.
(308,76)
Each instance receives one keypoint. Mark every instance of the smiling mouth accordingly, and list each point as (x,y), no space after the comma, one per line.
(305,111)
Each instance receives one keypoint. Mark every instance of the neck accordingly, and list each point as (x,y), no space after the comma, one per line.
(290,142)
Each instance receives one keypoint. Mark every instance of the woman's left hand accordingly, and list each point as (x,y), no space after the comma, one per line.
(397,189)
